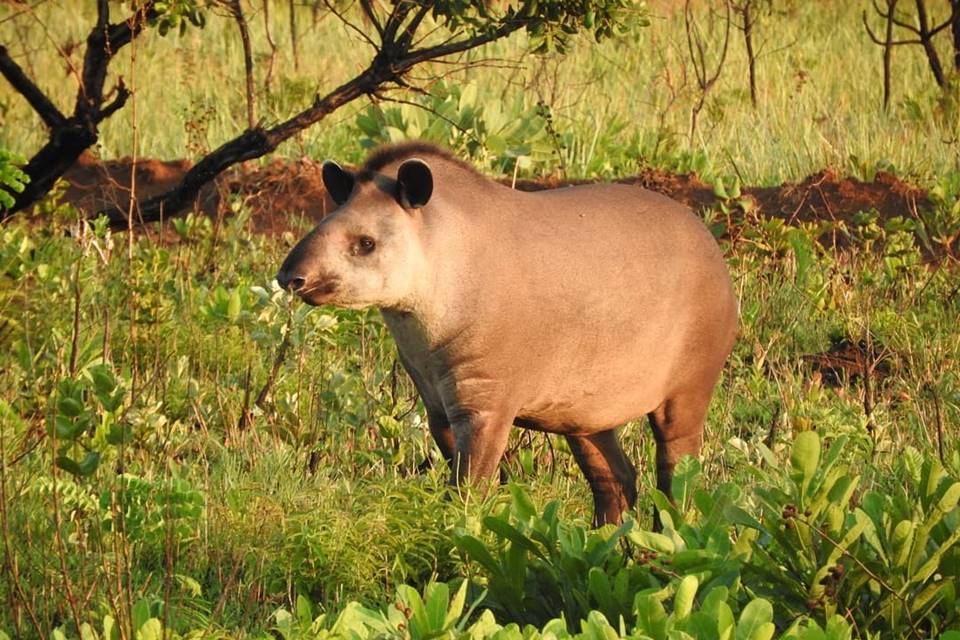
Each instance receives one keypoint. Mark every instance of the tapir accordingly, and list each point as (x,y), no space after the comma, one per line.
(570,311)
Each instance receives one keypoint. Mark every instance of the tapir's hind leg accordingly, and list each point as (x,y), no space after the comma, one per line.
(612,477)
(678,430)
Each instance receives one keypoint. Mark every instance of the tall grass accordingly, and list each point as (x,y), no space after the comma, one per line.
(617,104)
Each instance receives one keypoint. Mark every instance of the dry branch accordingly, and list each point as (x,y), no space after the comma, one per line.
(71,136)
(393,59)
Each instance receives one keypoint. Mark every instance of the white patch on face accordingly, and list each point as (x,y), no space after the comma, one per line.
(384,276)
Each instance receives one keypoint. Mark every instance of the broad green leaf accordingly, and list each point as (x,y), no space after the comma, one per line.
(140,613)
(151,630)
(455,610)
(70,407)
(948,502)
(805,457)
(683,600)
(511,533)
(418,621)
(304,610)
(437,600)
(68,429)
(234,305)
(68,464)
(523,506)
(901,542)
(755,621)
(598,585)
(651,617)
(477,551)
(650,540)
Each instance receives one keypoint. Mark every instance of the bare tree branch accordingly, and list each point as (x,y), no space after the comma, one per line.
(48,112)
(236,11)
(122,94)
(69,137)
(383,70)
(706,78)
(924,31)
(333,9)
(371,14)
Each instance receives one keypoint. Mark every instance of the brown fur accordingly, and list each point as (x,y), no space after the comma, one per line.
(396,153)
(569,311)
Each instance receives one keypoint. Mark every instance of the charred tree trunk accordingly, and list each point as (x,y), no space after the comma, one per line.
(888,53)
(751,55)
(922,33)
(926,40)
(71,136)
(395,57)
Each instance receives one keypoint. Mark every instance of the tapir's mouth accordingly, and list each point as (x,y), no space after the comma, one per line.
(319,292)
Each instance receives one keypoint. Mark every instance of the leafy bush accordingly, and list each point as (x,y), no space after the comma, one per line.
(538,565)
(497,136)
(12,178)
(891,562)
(436,615)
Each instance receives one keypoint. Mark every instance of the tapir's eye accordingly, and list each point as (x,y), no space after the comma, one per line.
(364,246)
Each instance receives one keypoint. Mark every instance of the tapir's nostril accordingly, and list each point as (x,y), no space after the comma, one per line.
(294,283)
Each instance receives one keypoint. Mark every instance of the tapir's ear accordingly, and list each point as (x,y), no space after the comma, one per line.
(338,181)
(414,184)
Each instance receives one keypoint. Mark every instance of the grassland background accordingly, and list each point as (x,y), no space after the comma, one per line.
(819,92)
(319,497)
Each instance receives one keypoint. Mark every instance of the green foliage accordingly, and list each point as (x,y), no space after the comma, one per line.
(132,488)
(891,562)
(539,566)
(548,23)
(493,135)
(12,178)
(435,615)
(178,14)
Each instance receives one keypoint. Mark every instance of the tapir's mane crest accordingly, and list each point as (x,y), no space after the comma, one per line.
(388,154)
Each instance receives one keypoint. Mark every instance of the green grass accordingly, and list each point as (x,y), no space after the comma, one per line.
(319,497)
(614,105)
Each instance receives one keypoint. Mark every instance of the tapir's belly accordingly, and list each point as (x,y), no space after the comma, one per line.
(601,385)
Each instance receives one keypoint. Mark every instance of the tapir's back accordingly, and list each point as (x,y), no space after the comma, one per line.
(606,297)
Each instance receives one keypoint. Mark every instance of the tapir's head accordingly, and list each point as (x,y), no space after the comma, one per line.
(367,252)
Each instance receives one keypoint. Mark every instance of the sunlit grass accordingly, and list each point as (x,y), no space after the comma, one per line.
(819,94)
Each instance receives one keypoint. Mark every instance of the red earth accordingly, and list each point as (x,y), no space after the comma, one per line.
(283,194)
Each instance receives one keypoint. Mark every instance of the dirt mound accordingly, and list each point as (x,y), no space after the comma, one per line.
(94,185)
(822,196)
(827,196)
(283,194)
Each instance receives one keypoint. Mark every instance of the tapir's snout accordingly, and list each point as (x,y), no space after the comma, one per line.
(293,273)
(313,288)
(290,281)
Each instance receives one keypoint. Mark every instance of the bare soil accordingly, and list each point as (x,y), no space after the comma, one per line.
(286,194)
(847,361)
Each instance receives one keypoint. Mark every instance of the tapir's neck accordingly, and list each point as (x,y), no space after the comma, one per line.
(424,327)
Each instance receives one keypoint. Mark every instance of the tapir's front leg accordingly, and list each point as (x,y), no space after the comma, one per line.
(443,436)
(481,438)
